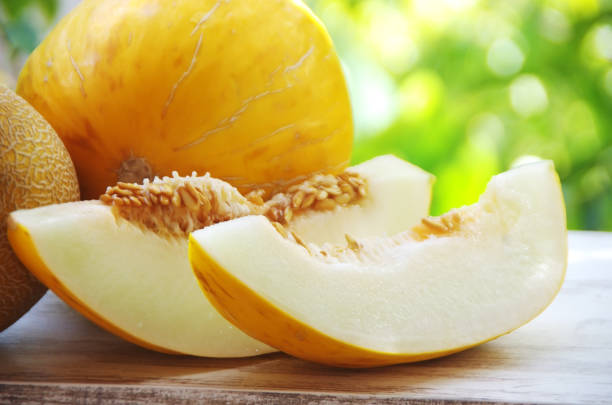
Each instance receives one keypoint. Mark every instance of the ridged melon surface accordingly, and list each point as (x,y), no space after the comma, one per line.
(35,170)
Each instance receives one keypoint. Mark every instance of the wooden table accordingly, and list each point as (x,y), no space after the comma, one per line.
(564,356)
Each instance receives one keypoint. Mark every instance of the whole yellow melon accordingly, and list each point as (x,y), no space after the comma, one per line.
(35,170)
(251,91)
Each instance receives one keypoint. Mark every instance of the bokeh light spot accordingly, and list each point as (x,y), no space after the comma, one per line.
(420,94)
(486,131)
(486,26)
(603,41)
(504,57)
(440,11)
(391,38)
(555,26)
(528,95)
(373,96)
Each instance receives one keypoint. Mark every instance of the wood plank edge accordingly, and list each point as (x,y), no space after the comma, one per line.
(114,394)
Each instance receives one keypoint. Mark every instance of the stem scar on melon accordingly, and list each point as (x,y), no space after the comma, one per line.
(134,170)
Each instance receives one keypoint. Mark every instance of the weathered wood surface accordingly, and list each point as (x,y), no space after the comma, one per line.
(54,355)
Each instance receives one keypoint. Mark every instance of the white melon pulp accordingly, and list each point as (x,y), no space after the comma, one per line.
(389,300)
(140,285)
(399,195)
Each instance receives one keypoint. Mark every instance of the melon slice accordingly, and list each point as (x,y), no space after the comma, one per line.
(123,261)
(448,284)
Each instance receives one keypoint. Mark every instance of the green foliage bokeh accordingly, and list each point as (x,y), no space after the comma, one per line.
(462,88)
(466,88)
(17,25)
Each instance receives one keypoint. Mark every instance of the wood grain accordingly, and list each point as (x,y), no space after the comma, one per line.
(54,355)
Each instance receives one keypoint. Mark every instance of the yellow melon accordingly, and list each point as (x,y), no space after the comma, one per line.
(250,91)
(35,170)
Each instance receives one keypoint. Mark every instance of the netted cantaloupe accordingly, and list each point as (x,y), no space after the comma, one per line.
(35,170)
(250,91)
(122,261)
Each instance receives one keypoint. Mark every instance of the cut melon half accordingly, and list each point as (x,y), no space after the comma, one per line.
(123,261)
(448,284)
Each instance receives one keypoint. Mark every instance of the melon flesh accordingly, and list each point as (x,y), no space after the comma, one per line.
(448,284)
(139,284)
(389,209)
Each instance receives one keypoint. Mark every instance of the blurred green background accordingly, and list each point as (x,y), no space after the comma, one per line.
(462,88)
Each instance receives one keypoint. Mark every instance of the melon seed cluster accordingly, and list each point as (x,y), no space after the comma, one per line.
(377,249)
(446,224)
(320,192)
(179,205)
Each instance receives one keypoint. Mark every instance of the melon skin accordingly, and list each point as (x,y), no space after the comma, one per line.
(35,170)
(250,91)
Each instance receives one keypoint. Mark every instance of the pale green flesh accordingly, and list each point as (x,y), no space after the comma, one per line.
(143,283)
(500,271)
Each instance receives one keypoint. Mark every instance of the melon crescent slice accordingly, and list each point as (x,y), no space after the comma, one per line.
(139,285)
(448,284)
